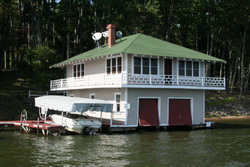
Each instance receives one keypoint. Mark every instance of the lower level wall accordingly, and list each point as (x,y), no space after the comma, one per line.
(131,96)
(163,95)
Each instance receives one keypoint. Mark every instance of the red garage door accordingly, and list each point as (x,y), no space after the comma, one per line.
(148,112)
(180,112)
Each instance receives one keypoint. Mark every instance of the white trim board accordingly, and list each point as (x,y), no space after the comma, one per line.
(139,86)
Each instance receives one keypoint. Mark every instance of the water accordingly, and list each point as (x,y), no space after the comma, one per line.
(227,145)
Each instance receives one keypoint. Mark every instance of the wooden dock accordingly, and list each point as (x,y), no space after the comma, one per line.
(47,127)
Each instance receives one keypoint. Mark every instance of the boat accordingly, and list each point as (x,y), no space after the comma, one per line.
(72,112)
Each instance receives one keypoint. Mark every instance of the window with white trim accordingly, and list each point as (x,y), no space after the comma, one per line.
(117,102)
(144,65)
(78,70)
(92,96)
(114,65)
(196,69)
(188,68)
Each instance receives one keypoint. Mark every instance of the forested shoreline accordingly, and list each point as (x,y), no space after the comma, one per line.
(35,34)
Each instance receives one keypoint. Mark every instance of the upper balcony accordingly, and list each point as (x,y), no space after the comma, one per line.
(125,80)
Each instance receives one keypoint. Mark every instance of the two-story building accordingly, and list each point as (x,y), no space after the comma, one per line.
(151,82)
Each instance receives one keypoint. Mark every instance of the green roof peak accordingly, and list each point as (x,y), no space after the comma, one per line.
(141,44)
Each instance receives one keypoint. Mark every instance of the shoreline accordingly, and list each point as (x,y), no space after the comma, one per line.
(227,118)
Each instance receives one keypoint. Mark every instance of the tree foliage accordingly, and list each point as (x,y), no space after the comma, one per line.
(216,27)
(36,63)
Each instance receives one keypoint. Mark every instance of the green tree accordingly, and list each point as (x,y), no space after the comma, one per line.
(36,63)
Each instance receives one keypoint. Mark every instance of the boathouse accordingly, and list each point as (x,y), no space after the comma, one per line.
(150,82)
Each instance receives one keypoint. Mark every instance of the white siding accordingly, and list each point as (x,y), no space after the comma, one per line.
(104,94)
(175,67)
(96,66)
(69,71)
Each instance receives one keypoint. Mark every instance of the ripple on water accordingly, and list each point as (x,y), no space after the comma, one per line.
(219,147)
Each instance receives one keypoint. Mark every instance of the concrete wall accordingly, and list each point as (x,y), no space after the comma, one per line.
(163,95)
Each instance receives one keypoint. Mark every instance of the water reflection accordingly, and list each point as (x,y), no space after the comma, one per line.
(219,147)
(84,150)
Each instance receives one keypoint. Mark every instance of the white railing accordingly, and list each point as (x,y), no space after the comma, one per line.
(135,79)
(86,81)
(173,80)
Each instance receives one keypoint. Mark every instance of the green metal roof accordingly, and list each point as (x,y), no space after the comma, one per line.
(141,44)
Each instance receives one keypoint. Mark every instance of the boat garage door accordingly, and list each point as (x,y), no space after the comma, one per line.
(180,112)
(148,112)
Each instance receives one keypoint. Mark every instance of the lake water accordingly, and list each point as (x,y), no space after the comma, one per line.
(226,145)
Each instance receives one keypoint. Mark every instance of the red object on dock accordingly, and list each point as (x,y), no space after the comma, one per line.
(48,125)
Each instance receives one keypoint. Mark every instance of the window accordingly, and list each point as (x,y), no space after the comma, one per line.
(119,64)
(82,69)
(137,65)
(117,101)
(181,68)
(145,65)
(188,68)
(108,66)
(114,65)
(196,69)
(92,96)
(154,66)
(78,70)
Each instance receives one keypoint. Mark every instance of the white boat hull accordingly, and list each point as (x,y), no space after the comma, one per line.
(78,125)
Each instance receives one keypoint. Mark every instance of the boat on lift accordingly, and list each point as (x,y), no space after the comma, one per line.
(72,112)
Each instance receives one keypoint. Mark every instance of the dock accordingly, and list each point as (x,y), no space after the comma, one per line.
(47,127)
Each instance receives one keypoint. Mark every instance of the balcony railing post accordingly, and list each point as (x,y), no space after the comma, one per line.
(177,79)
(61,83)
(104,79)
(50,85)
(202,81)
(87,81)
(121,79)
(150,79)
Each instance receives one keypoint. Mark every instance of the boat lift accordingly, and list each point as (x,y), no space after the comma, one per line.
(47,127)
(72,105)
